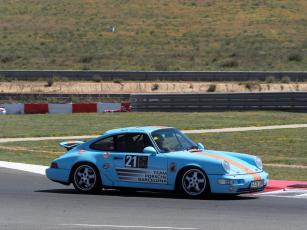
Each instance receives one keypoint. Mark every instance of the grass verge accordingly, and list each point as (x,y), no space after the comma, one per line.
(156,35)
(274,146)
(95,124)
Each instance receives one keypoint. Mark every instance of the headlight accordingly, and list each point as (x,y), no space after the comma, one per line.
(258,162)
(226,166)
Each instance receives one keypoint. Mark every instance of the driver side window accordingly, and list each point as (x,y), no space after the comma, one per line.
(132,142)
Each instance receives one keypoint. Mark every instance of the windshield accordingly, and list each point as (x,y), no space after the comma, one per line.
(171,140)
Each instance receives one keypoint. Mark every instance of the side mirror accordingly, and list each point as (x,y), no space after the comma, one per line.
(200,146)
(150,150)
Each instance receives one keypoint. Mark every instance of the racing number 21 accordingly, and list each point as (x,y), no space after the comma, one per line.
(130,161)
(134,161)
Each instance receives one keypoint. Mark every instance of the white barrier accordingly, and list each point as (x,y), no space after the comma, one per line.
(60,108)
(13,108)
(101,107)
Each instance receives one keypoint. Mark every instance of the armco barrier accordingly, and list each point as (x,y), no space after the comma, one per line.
(84,108)
(153,75)
(35,108)
(291,101)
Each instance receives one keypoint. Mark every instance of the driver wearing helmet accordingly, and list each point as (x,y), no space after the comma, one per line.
(159,139)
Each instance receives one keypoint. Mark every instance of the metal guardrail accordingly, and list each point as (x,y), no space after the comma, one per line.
(291,101)
(153,75)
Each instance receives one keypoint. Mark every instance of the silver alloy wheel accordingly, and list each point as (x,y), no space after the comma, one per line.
(194,182)
(85,177)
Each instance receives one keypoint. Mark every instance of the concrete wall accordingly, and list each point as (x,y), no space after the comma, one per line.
(60,108)
(13,108)
(34,108)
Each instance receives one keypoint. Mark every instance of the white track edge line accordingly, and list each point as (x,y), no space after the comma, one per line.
(38,169)
(127,226)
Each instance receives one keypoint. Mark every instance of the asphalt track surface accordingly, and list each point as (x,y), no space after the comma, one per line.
(30,201)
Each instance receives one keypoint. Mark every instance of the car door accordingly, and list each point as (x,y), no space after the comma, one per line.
(134,168)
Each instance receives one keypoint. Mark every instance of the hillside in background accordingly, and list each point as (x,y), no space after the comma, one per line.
(154,34)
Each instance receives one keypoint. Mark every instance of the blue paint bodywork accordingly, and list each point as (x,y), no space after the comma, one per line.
(163,166)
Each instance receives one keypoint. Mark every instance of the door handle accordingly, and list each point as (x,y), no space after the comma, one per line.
(118,158)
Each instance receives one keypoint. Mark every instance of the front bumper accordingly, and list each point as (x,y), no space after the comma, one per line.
(58,175)
(240,183)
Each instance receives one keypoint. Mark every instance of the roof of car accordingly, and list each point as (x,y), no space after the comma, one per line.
(141,129)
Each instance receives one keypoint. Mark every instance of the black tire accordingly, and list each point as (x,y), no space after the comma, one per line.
(194,183)
(86,178)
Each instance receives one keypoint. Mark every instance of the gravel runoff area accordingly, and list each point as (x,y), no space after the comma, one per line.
(223,130)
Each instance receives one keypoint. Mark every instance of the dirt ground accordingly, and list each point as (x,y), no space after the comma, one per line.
(147,87)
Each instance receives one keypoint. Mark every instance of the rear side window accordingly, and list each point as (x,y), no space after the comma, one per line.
(106,144)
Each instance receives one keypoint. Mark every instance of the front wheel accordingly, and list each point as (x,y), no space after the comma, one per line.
(86,179)
(194,183)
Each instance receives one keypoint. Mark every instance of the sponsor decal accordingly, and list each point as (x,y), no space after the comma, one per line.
(106,155)
(81,151)
(106,166)
(142,175)
(173,167)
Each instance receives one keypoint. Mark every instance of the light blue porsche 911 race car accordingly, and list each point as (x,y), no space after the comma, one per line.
(153,157)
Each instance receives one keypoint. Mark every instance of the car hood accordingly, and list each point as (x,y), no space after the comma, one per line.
(235,159)
(238,165)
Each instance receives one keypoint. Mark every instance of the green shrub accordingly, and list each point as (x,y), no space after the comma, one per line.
(229,63)
(96,78)
(211,88)
(6,59)
(270,79)
(49,82)
(295,57)
(86,59)
(2,78)
(252,86)
(117,80)
(285,79)
(155,87)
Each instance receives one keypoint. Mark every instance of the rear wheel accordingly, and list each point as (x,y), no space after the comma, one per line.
(194,183)
(86,178)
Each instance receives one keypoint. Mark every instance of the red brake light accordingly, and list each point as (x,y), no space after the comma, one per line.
(54,165)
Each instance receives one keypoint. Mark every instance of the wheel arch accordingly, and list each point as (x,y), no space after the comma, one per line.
(76,164)
(186,167)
